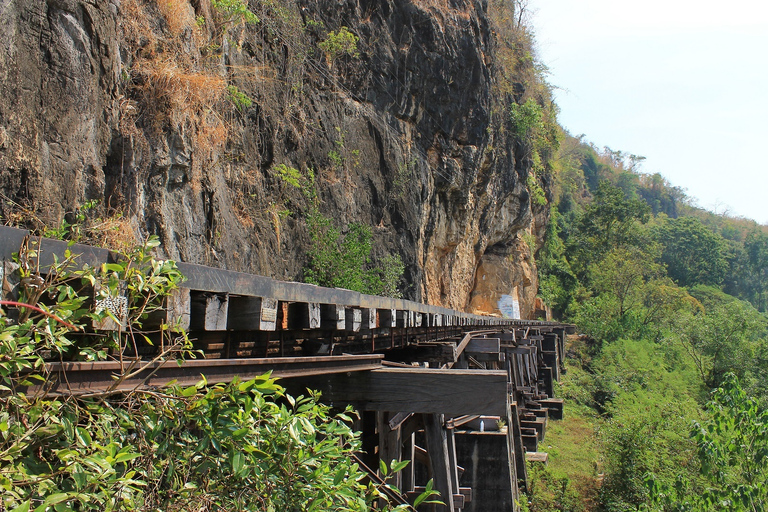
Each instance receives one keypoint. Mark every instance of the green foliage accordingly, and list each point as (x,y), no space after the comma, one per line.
(557,282)
(538,197)
(693,253)
(240,100)
(72,230)
(344,260)
(752,270)
(550,492)
(610,221)
(646,393)
(340,42)
(527,119)
(234,12)
(539,137)
(725,338)
(289,175)
(733,453)
(237,446)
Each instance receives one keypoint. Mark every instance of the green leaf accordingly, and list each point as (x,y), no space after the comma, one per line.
(237,461)
(398,466)
(24,507)
(383,468)
(83,437)
(188,392)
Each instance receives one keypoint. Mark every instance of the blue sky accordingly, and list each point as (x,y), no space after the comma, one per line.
(684,84)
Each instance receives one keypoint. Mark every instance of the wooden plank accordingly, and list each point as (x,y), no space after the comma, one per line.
(540,457)
(88,377)
(453,467)
(432,352)
(409,473)
(418,390)
(462,345)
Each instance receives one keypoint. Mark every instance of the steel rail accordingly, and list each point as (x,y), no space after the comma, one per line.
(83,378)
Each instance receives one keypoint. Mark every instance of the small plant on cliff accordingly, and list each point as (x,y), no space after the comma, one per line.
(344,260)
(340,42)
(234,12)
(240,100)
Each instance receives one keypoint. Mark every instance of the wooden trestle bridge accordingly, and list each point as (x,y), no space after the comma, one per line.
(465,397)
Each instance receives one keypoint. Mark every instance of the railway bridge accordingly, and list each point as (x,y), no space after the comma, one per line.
(466,398)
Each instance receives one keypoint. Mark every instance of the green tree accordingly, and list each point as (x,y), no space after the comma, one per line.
(724,338)
(755,270)
(608,222)
(693,253)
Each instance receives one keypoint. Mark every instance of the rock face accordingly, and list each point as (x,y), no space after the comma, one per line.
(181,118)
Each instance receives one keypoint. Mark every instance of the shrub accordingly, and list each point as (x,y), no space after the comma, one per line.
(341,42)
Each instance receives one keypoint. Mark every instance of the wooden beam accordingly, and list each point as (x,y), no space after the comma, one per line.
(369,319)
(437,352)
(459,350)
(516,450)
(387,317)
(483,345)
(419,390)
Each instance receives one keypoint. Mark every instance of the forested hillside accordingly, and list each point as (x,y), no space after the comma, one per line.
(671,299)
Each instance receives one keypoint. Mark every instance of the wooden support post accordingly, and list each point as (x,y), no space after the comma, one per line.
(513,446)
(389,446)
(437,447)
(332,316)
(409,473)
(453,466)
(516,444)
(353,319)
(369,319)
(209,311)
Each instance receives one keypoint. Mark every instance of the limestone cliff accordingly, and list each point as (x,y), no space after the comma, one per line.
(180,114)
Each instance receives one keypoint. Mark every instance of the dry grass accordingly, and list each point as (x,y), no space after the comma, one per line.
(178,14)
(179,89)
